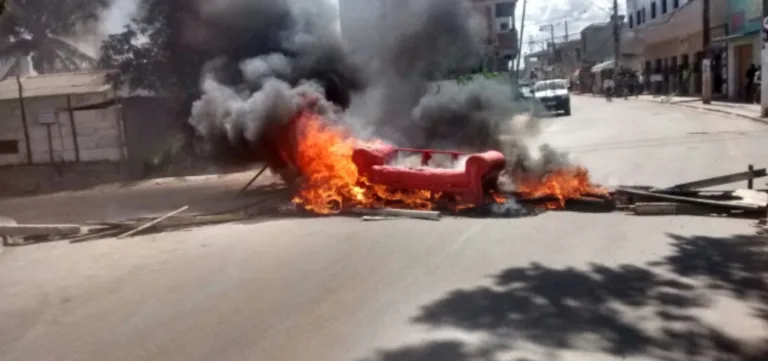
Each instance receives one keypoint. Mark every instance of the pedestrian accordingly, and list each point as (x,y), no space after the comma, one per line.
(608,86)
(632,84)
(750,82)
(757,81)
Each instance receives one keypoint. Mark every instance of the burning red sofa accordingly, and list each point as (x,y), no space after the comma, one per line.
(480,173)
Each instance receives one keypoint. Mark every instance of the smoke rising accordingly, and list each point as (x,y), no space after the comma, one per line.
(275,53)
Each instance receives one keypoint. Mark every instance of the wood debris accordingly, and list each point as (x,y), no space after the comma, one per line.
(152,223)
(691,199)
(396,212)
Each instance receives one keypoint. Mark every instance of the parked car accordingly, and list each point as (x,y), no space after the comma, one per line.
(525,91)
(554,95)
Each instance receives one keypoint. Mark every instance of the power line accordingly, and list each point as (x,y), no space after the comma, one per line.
(599,7)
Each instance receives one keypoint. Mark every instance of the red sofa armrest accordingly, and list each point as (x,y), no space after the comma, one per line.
(483,163)
(367,157)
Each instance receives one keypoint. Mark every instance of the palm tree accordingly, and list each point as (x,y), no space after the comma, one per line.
(36,29)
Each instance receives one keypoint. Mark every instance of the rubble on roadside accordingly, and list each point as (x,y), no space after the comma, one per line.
(688,198)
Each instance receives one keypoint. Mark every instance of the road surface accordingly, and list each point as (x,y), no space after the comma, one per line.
(560,286)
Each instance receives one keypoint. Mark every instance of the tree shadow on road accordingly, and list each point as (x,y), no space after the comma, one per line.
(628,310)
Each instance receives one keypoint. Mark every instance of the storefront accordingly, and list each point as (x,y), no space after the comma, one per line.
(742,44)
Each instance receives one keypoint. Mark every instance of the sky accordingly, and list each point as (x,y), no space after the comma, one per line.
(577,13)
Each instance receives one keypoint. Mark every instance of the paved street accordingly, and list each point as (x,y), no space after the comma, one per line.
(560,286)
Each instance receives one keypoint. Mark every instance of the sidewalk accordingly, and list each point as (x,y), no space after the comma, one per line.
(743,110)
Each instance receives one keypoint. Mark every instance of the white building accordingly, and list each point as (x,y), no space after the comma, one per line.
(669,32)
(54,134)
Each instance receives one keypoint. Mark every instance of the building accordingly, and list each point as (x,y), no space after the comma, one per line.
(38,125)
(597,42)
(743,44)
(501,32)
(567,58)
(670,35)
(358,16)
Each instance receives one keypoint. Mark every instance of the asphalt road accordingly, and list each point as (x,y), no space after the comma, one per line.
(559,286)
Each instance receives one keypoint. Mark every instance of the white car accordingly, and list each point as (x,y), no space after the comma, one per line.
(554,95)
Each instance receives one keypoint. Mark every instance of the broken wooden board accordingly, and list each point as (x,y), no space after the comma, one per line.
(114,229)
(668,209)
(7,240)
(153,222)
(722,204)
(721,180)
(749,196)
(26,230)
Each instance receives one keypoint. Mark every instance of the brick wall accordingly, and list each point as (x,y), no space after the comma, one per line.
(99,136)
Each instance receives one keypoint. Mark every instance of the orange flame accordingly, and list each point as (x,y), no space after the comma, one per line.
(323,154)
(561,184)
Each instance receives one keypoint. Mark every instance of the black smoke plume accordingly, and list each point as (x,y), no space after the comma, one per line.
(381,83)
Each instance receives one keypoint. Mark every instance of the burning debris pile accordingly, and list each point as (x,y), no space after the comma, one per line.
(287,92)
(558,191)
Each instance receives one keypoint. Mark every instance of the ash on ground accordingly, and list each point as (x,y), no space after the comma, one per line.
(510,208)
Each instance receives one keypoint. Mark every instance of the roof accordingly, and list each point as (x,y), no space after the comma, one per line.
(603,66)
(55,84)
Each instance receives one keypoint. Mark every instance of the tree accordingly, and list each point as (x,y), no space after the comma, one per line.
(150,54)
(37,27)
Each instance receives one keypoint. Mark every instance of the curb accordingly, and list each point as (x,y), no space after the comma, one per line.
(721,111)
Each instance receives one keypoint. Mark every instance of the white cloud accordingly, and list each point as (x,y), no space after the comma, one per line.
(577,13)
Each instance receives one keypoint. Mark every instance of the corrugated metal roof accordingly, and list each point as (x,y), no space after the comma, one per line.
(55,84)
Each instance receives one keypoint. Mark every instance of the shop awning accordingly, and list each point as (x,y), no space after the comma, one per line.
(576,73)
(603,66)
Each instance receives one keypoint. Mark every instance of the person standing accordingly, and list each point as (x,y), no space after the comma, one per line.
(750,87)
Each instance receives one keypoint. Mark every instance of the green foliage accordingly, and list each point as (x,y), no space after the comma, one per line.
(150,55)
(43,22)
(468,78)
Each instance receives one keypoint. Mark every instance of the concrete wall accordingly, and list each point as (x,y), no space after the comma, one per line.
(597,43)
(99,133)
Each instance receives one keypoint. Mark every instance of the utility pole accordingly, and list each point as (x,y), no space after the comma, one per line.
(616,37)
(566,26)
(552,56)
(520,45)
(764,64)
(706,62)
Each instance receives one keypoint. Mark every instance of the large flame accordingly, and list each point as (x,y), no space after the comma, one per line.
(561,185)
(323,155)
(322,152)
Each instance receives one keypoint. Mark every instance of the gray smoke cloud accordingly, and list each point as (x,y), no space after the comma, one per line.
(380,83)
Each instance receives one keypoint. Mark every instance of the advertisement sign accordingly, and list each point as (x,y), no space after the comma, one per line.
(754,9)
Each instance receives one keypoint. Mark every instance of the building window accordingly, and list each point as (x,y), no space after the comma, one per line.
(664,6)
(631,25)
(638,20)
(505,10)
(9,146)
(653,10)
(675,4)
